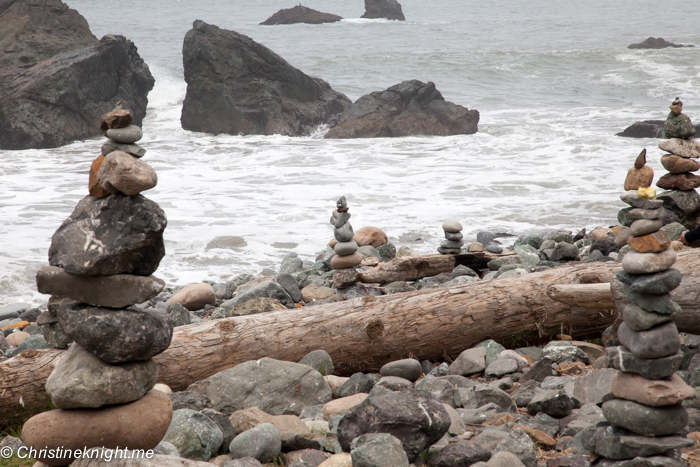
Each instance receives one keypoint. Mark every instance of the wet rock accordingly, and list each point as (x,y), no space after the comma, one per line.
(300,14)
(389,9)
(406,109)
(294,104)
(655,43)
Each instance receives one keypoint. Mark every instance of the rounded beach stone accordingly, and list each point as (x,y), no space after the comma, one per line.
(658,342)
(345,248)
(408,368)
(345,233)
(638,319)
(454,235)
(639,178)
(94,187)
(195,296)
(622,359)
(195,435)
(452,226)
(319,360)
(647,263)
(678,165)
(123,173)
(126,135)
(378,449)
(133,149)
(342,262)
(343,405)
(262,442)
(115,291)
(646,420)
(452,244)
(117,336)
(17,337)
(649,214)
(655,393)
(81,380)
(115,119)
(137,425)
(655,284)
(449,251)
(372,236)
(651,243)
(683,182)
(686,148)
(642,227)
(632,198)
(341,219)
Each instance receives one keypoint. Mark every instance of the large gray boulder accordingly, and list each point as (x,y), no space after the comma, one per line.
(647,129)
(300,14)
(114,235)
(31,32)
(117,336)
(378,450)
(288,387)
(194,435)
(81,380)
(61,99)
(409,108)
(416,418)
(389,9)
(264,289)
(237,86)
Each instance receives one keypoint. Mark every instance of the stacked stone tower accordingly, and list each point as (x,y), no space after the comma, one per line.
(101,260)
(454,238)
(646,415)
(679,129)
(346,255)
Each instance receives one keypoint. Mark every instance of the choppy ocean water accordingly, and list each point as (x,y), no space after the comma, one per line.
(553,82)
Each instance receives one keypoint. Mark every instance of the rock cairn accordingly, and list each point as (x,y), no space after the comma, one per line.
(454,242)
(679,129)
(101,260)
(646,413)
(346,255)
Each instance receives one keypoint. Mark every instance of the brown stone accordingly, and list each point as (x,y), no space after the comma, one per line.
(20,325)
(244,420)
(115,119)
(123,173)
(368,235)
(342,262)
(476,247)
(639,178)
(93,185)
(316,292)
(116,291)
(683,182)
(655,393)
(678,165)
(335,381)
(571,369)
(136,425)
(599,232)
(499,419)
(538,437)
(17,337)
(307,457)
(343,405)
(641,159)
(333,243)
(652,243)
(338,460)
(682,147)
(195,296)
(343,278)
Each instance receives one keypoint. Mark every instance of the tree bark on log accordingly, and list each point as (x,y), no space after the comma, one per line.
(360,334)
(415,268)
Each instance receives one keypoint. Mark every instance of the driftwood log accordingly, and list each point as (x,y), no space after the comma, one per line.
(415,268)
(360,334)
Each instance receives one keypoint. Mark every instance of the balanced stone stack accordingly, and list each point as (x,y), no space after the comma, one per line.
(679,129)
(101,260)
(454,242)
(646,413)
(346,255)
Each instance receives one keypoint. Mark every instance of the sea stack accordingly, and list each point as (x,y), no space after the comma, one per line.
(453,234)
(646,415)
(346,255)
(101,260)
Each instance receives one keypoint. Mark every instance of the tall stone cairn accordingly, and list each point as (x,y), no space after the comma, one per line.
(454,238)
(681,149)
(646,414)
(101,260)
(346,255)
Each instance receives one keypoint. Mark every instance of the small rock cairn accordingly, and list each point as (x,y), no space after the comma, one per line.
(454,242)
(346,255)
(101,260)
(679,129)
(646,414)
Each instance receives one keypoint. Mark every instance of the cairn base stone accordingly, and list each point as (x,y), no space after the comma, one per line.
(622,359)
(654,393)
(116,291)
(655,284)
(645,420)
(658,342)
(137,425)
(342,262)
(616,443)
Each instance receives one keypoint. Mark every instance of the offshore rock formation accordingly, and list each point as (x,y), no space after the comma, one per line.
(656,43)
(389,9)
(57,79)
(406,109)
(237,86)
(300,14)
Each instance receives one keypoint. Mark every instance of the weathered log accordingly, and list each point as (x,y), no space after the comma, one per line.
(415,268)
(593,296)
(360,334)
